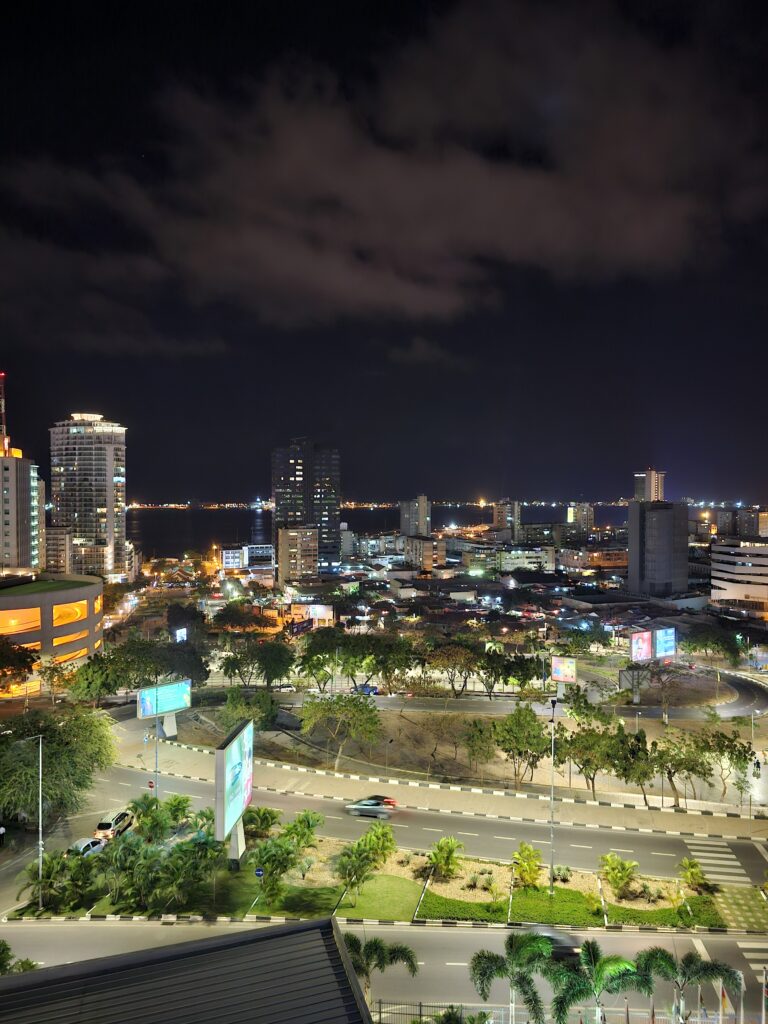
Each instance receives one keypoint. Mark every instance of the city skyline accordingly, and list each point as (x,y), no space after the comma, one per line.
(532,276)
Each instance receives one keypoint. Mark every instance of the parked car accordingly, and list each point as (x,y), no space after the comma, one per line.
(370,808)
(285,688)
(87,847)
(113,825)
(367,690)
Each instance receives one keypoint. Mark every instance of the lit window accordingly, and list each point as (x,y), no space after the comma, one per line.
(34,646)
(97,645)
(19,620)
(60,659)
(70,638)
(97,604)
(75,611)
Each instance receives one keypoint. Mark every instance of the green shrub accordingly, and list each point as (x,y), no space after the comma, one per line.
(434,906)
(562,873)
(565,907)
(473,881)
(704,913)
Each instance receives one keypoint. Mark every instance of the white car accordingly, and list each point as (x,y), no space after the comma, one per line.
(285,688)
(87,846)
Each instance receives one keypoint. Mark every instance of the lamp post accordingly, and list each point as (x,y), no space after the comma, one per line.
(553,702)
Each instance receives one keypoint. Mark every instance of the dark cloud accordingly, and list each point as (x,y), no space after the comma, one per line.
(516,134)
(422,352)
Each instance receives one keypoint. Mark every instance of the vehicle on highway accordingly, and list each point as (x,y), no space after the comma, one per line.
(113,825)
(367,690)
(370,808)
(87,847)
(388,800)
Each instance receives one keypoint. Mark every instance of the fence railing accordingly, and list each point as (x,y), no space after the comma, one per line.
(385,1012)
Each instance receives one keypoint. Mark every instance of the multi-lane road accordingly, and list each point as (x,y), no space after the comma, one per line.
(730,861)
(443,955)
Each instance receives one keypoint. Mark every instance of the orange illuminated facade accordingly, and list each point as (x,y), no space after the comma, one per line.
(74,611)
(19,620)
(61,659)
(69,638)
(98,604)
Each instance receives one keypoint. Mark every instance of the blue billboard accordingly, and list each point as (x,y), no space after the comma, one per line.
(153,701)
(665,642)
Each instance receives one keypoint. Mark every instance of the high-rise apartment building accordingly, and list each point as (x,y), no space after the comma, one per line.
(658,548)
(23,510)
(649,485)
(580,516)
(424,553)
(416,517)
(22,529)
(752,522)
(306,490)
(297,553)
(506,516)
(88,494)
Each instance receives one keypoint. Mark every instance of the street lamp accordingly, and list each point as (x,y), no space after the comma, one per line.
(637,721)
(553,702)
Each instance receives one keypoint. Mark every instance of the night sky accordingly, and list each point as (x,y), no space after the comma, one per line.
(482,247)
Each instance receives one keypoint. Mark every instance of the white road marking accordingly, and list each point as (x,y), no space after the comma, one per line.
(467,833)
(655,854)
(578,846)
(619,849)
(449,964)
(395,825)
(425,829)
(510,839)
(124,784)
(760,849)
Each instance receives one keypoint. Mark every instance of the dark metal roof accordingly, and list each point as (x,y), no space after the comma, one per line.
(297,972)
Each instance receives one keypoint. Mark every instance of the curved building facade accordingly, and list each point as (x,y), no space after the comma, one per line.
(59,618)
(739,578)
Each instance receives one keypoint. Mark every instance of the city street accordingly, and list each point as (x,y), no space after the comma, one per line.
(443,955)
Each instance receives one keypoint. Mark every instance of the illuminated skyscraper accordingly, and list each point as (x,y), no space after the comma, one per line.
(22,534)
(506,516)
(416,517)
(649,485)
(88,493)
(306,490)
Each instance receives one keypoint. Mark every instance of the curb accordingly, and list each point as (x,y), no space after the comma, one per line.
(173,919)
(475,814)
(455,788)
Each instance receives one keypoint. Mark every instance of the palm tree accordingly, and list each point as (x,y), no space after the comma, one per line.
(80,871)
(444,856)
(203,820)
(142,805)
(589,977)
(691,969)
(524,954)
(377,955)
(51,886)
(355,867)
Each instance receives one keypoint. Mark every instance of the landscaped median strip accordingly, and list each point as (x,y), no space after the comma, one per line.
(475,790)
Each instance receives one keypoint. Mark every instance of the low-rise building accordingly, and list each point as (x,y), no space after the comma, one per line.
(739,578)
(592,559)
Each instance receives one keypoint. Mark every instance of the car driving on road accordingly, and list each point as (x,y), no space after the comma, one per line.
(87,847)
(372,807)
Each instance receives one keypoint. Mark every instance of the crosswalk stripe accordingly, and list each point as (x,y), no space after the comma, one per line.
(753,945)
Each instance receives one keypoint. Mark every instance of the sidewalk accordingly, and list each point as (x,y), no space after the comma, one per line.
(198,763)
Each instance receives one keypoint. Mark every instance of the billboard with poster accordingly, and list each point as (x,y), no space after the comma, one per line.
(642,646)
(155,701)
(665,642)
(234,778)
(563,669)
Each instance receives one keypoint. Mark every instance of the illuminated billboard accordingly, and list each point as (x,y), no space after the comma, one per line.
(664,642)
(563,669)
(153,701)
(234,778)
(642,646)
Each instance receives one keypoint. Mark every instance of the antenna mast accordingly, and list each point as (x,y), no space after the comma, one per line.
(4,438)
